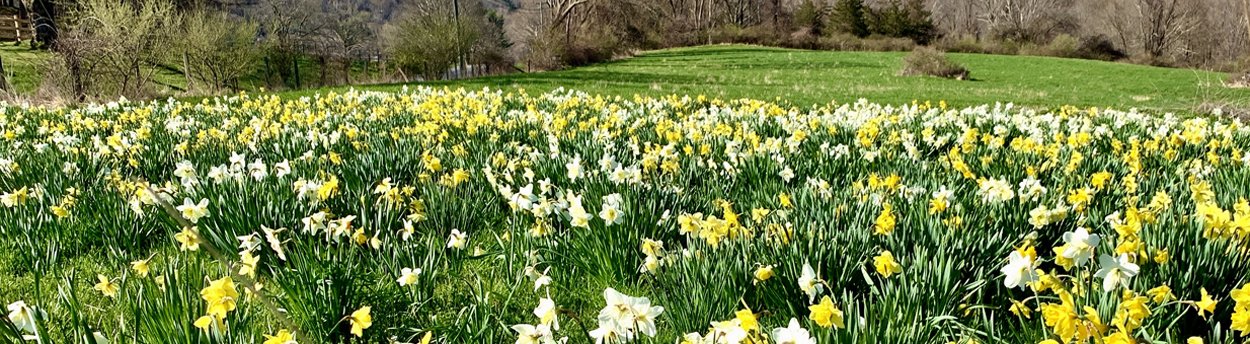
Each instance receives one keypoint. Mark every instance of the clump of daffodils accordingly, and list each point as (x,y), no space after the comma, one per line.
(625,317)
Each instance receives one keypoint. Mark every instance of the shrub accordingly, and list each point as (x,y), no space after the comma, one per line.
(962,44)
(930,61)
(848,42)
(1098,47)
(1063,45)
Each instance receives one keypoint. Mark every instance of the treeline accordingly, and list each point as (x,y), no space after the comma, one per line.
(143,48)
(1211,34)
(107,48)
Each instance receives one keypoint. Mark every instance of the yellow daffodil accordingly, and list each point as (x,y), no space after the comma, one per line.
(826,314)
(360,320)
(886,265)
(106,286)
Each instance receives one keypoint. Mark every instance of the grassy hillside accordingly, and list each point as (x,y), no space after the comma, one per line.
(22,66)
(806,77)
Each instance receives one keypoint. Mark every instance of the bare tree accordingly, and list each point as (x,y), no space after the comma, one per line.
(1151,27)
(289,27)
(1026,20)
(112,48)
(217,49)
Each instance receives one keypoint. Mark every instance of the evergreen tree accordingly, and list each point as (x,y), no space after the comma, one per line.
(899,19)
(811,15)
(850,16)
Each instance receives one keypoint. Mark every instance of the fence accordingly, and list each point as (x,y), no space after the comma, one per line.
(15,28)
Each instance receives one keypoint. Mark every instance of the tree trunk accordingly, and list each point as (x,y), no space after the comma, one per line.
(295,62)
(1245,15)
(186,71)
(321,62)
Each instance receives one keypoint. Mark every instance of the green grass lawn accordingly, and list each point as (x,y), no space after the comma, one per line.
(23,67)
(804,77)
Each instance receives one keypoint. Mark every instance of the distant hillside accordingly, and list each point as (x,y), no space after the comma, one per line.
(817,77)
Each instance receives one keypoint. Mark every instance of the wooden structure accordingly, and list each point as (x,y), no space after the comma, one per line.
(15,22)
(15,28)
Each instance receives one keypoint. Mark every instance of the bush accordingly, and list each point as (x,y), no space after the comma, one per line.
(930,61)
(848,42)
(757,35)
(1063,45)
(1098,47)
(962,44)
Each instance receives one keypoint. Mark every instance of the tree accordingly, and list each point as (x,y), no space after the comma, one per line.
(1152,27)
(904,19)
(811,16)
(289,28)
(850,16)
(1034,21)
(427,39)
(112,48)
(218,49)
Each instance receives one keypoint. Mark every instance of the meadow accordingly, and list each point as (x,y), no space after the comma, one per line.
(465,216)
(487,215)
(806,78)
(803,78)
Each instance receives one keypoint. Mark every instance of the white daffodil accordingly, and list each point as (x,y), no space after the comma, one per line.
(1031,189)
(546,313)
(611,213)
(1115,270)
(457,239)
(617,307)
(644,315)
(275,243)
(194,211)
(184,170)
(408,276)
(249,243)
(530,334)
(728,332)
(794,334)
(282,169)
(809,283)
(1079,245)
(258,170)
(995,191)
(408,230)
(1019,271)
(574,168)
(786,174)
(539,278)
(22,316)
(607,333)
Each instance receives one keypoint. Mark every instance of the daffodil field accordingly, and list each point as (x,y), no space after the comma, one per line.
(453,216)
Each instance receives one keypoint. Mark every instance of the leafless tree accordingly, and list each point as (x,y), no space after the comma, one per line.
(112,48)
(1025,20)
